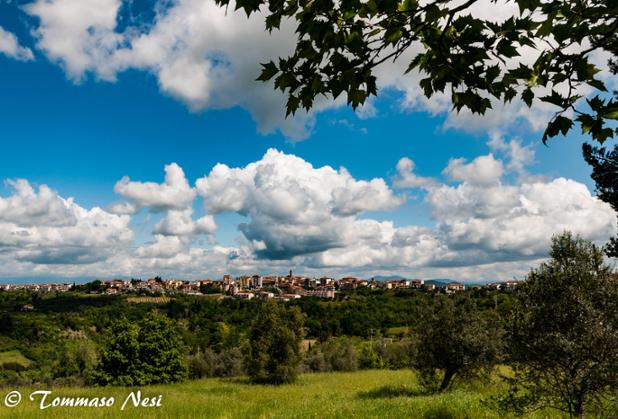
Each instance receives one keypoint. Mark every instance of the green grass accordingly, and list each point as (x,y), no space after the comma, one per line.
(15,358)
(365,394)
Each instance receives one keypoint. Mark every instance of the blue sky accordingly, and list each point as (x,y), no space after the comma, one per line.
(70,122)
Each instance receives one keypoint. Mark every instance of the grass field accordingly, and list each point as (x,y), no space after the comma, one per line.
(153,300)
(15,358)
(364,394)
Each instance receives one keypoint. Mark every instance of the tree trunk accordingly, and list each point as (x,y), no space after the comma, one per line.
(579,410)
(446,380)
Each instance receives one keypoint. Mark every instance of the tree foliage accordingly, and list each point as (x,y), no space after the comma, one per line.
(564,331)
(340,43)
(456,339)
(274,344)
(148,352)
(605,175)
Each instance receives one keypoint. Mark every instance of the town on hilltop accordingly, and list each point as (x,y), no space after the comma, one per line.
(282,288)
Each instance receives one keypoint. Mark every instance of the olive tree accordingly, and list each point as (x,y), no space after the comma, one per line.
(563,333)
(455,339)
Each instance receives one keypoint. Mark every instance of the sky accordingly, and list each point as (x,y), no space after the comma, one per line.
(136,142)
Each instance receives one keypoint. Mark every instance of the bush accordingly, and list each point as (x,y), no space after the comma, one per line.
(13,366)
(341,355)
(208,363)
(202,364)
(394,355)
(369,357)
(77,358)
(230,363)
(314,361)
(336,354)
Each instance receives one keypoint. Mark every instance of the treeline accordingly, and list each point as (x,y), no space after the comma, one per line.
(63,338)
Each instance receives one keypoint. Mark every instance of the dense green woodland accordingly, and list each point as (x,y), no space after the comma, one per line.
(73,322)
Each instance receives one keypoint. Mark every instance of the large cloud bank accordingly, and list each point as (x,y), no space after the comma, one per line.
(318,219)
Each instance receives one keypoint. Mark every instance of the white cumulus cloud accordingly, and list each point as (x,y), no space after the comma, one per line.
(482,170)
(9,46)
(318,219)
(406,178)
(174,193)
(293,208)
(40,227)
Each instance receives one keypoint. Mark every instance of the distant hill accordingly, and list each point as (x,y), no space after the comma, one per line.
(436,282)
(388,277)
(439,282)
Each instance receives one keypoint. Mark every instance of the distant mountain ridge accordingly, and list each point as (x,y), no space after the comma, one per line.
(436,281)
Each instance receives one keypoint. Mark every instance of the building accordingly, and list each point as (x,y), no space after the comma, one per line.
(324,292)
(455,287)
(417,283)
(256,281)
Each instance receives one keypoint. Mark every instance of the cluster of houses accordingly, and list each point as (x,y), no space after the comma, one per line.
(276,287)
(36,287)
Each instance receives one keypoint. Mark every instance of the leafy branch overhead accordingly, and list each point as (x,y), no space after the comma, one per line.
(340,43)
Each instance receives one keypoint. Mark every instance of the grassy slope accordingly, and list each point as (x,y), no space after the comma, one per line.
(376,394)
(14,357)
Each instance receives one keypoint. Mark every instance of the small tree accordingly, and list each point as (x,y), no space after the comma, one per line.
(455,339)
(564,331)
(148,352)
(274,344)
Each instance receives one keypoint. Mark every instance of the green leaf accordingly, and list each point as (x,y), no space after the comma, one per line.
(269,70)
(547,26)
(527,96)
(509,94)
(555,99)
(292,105)
(597,84)
(527,4)
(564,124)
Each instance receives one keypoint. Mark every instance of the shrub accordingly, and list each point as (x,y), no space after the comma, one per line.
(369,357)
(202,364)
(341,355)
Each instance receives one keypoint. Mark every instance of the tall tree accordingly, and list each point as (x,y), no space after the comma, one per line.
(148,352)
(605,175)
(274,344)
(340,43)
(455,339)
(605,171)
(564,331)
